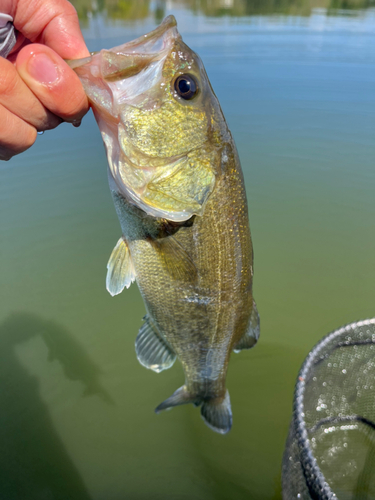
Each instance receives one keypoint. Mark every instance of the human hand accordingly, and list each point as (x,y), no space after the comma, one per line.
(38,90)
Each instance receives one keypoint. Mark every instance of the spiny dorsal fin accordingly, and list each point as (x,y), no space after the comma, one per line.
(176,259)
(120,272)
(152,350)
(250,338)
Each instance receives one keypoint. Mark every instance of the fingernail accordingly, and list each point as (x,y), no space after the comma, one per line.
(76,123)
(43,69)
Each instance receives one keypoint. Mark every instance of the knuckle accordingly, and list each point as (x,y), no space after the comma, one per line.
(69,10)
(8,79)
(15,135)
(75,106)
(79,109)
(29,138)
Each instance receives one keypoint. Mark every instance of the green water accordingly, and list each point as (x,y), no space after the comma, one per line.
(297,85)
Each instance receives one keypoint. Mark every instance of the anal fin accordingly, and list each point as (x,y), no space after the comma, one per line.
(152,350)
(120,272)
(250,337)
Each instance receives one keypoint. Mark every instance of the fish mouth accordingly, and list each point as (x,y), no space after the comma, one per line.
(132,57)
(109,71)
(154,41)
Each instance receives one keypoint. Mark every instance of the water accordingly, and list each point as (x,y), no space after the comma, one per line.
(297,85)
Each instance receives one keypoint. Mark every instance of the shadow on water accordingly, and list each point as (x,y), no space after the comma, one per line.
(33,461)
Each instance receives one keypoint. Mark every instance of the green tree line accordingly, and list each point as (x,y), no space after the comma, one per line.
(132,10)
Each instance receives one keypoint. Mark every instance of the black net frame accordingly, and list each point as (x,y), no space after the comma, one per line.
(302,476)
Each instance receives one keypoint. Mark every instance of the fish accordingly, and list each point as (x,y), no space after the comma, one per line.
(179,193)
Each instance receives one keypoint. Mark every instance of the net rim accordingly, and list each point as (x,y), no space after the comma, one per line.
(315,481)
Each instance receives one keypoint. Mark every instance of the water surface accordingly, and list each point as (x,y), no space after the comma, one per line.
(297,85)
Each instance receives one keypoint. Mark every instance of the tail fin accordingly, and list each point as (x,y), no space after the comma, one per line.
(217,414)
(180,397)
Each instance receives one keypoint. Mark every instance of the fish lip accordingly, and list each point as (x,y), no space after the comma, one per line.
(168,23)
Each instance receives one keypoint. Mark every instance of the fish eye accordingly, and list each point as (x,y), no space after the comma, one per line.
(186,87)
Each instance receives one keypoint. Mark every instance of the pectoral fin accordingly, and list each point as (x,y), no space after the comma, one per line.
(152,350)
(251,336)
(177,261)
(120,272)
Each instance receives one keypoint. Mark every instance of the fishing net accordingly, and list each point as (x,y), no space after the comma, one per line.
(330,450)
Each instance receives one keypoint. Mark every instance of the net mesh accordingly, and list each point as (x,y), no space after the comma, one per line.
(330,450)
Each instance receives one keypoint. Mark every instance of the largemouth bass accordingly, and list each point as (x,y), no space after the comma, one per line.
(179,193)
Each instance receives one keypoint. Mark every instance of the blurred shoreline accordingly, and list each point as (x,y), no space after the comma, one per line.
(130,10)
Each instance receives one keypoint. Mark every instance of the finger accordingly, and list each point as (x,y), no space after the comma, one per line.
(19,100)
(51,22)
(52,81)
(15,135)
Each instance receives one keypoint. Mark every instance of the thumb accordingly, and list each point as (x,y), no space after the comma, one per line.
(52,81)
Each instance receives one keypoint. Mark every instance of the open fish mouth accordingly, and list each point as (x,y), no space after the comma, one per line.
(132,94)
(102,68)
(152,44)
